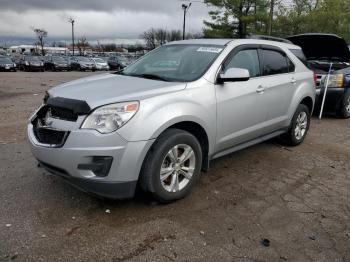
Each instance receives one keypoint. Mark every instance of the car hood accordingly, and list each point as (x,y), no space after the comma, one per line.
(110,88)
(322,46)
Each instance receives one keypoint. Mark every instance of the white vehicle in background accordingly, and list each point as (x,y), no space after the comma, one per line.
(100,64)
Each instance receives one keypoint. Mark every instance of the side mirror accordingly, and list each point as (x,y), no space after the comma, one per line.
(234,75)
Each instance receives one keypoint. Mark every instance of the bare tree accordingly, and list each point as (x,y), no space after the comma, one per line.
(111,47)
(161,36)
(150,38)
(41,34)
(197,35)
(174,35)
(82,45)
(157,37)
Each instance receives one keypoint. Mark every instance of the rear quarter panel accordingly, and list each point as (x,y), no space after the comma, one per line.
(305,88)
(305,85)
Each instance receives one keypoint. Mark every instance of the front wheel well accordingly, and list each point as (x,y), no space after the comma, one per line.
(308,102)
(200,134)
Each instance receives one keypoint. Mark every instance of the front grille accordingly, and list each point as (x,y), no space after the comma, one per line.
(51,137)
(63,113)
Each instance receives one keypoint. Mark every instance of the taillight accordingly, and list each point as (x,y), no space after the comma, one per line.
(315,79)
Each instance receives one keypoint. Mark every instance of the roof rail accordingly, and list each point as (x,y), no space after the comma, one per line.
(270,38)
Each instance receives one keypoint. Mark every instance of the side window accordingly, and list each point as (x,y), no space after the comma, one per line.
(274,62)
(246,59)
(291,66)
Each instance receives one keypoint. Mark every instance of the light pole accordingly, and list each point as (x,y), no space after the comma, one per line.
(185,8)
(71,20)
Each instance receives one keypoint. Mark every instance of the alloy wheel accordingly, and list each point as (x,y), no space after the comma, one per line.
(301,125)
(347,107)
(177,168)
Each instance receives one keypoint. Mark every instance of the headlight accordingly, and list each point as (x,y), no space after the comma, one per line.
(335,80)
(26,62)
(109,118)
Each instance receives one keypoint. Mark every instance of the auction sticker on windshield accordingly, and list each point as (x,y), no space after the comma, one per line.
(209,49)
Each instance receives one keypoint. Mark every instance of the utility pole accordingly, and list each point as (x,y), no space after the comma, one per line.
(185,8)
(71,20)
(272,4)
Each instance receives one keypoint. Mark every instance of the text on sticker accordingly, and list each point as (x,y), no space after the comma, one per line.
(209,49)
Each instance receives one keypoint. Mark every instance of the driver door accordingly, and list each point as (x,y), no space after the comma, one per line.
(241,106)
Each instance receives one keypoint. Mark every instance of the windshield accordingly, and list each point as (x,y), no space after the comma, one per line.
(178,63)
(84,59)
(58,59)
(32,58)
(4,60)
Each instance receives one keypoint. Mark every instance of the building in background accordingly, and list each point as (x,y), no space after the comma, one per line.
(32,49)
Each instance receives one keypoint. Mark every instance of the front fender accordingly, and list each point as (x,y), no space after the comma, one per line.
(158,113)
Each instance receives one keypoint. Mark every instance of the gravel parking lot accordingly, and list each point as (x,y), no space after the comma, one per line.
(265,203)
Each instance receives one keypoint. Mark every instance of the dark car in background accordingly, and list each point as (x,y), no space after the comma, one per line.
(82,63)
(6,64)
(31,63)
(56,63)
(117,62)
(321,51)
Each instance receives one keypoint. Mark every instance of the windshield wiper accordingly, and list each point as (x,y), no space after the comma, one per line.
(149,76)
(155,77)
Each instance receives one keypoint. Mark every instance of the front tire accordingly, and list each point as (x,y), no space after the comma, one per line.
(344,110)
(299,126)
(172,166)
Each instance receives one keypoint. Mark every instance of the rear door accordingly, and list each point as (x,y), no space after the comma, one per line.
(279,83)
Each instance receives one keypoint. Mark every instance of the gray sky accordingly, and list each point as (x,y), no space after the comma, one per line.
(95,19)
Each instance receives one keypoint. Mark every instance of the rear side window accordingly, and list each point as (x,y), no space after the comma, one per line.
(246,59)
(300,54)
(291,66)
(274,62)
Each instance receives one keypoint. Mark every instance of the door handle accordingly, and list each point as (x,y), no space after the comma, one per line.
(260,89)
(293,80)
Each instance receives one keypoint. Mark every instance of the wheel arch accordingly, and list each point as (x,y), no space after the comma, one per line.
(194,128)
(200,134)
(307,101)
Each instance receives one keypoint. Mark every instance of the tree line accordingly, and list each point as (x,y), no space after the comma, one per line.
(281,18)
(155,37)
(241,18)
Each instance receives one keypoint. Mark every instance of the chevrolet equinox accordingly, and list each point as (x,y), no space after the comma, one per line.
(159,121)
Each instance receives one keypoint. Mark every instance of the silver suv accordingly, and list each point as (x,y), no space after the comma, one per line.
(159,121)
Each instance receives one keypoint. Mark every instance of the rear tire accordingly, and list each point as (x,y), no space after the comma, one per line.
(299,126)
(344,110)
(171,166)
